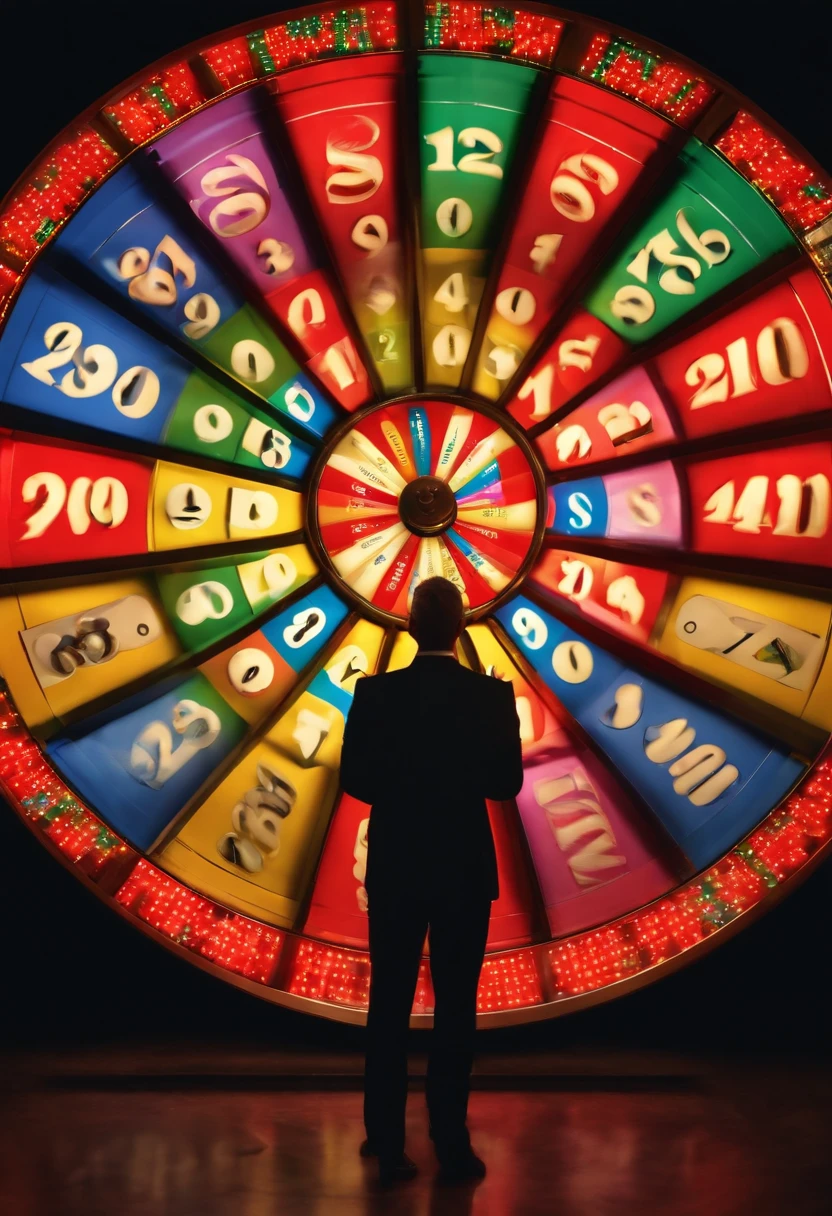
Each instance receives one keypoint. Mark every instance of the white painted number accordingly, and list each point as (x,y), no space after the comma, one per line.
(299,403)
(336,363)
(573,443)
(539,388)
(781,357)
(624,595)
(95,366)
(578,352)
(624,422)
(635,305)
(701,775)
(454,217)
(277,256)
(545,250)
(94,369)
(103,501)
(581,829)
(452,293)
(153,758)
(203,316)
(571,197)
(803,506)
(516,305)
(371,234)
(359,173)
(307,308)
(450,346)
(252,510)
(151,280)
(305,626)
(572,662)
(209,601)
(581,506)
(568,193)
(245,204)
(213,423)
(479,163)
(577,580)
(250,361)
(530,628)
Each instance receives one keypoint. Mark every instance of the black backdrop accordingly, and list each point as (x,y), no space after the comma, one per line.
(73,972)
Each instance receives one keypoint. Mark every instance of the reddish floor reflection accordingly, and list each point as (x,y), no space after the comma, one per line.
(725,1143)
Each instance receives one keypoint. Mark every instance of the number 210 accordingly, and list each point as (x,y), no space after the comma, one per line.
(781,357)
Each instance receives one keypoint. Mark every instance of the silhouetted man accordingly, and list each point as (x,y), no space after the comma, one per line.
(425,746)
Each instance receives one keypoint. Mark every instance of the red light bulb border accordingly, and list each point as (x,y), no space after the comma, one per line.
(90,148)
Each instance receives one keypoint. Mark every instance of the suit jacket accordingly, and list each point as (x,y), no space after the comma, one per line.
(425,746)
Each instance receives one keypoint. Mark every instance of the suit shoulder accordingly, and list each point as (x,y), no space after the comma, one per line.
(484,685)
(364,688)
(384,678)
(378,685)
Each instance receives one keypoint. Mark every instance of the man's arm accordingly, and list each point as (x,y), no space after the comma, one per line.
(505,769)
(358,756)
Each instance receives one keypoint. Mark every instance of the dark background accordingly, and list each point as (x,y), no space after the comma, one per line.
(74,973)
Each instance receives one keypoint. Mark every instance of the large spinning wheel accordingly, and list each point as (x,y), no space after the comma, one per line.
(304,315)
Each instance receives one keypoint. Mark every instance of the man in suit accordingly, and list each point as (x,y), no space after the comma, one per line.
(425,746)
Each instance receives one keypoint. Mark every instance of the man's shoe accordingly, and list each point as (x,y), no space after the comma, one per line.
(367,1149)
(396,1169)
(462,1167)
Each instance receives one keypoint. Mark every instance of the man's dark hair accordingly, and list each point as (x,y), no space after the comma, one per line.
(436,614)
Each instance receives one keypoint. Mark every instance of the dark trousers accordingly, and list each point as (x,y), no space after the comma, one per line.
(458,926)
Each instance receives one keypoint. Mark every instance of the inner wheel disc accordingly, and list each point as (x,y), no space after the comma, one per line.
(422,488)
(427,507)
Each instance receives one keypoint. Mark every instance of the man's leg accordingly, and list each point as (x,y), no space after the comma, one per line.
(398,924)
(458,932)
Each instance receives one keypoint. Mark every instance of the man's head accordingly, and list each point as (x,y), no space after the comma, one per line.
(436,614)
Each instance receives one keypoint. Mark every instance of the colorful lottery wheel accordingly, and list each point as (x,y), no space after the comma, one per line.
(307,313)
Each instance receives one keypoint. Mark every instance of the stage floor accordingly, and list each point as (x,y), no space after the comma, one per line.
(171,1133)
